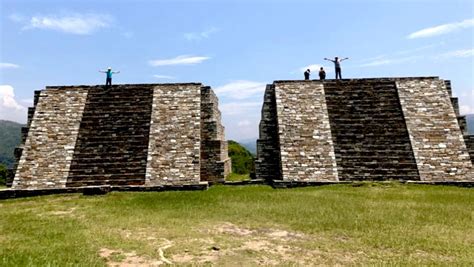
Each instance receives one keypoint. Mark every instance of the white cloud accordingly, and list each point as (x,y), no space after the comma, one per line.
(244,123)
(197,36)
(241,119)
(73,23)
(315,68)
(9,107)
(241,89)
(5,65)
(166,77)
(179,60)
(442,29)
(466,103)
(239,108)
(462,53)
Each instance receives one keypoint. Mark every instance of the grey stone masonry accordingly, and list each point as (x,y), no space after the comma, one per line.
(49,147)
(24,134)
(369,133)
(267,163)
(435,135)
(112,144)
(149,136)
(215,161)
(469,139)
(175,135)
(304,132)
(408,129)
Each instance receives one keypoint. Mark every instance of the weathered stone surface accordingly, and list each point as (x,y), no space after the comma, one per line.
(132,135)
(215,161)
(383,128)
(369,133)
(435,135)
(175,135)
(112,145)
(304,133)
(267,163)
(49,147)
(469,139)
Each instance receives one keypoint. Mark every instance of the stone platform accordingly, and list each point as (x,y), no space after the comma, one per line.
(130,135)
(403,129)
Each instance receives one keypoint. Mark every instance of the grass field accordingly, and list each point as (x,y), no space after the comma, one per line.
(244,226)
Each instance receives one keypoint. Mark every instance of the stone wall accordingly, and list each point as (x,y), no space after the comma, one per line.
(304,133)
(139,135)
(267,163)
(362,129)
(49,147)
(112,144)
(24,134)
(215,161)
(435,135)
(175,135)
(370,138)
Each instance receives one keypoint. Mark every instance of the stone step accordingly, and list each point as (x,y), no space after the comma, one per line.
(109,171)
(118,180)
(369,132)
(113,138)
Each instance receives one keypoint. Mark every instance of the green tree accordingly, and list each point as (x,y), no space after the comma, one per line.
(242,159)
(3,174)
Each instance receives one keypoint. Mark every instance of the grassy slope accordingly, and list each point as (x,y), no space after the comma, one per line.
(340,224)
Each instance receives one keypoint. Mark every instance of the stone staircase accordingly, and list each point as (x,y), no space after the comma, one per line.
(112,144)
(371,141)
(267,164)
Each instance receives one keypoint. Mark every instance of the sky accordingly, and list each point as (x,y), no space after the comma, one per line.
(236,47)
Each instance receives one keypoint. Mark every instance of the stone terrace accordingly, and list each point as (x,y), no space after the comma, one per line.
(380,129)
(143,135)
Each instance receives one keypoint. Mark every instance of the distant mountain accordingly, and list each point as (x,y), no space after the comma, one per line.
(10,137)
(250,144)
(470,123)
(242,159)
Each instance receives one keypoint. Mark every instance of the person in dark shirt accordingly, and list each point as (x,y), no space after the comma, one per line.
(322,74)
(337,65)
(306,74)
(109,72)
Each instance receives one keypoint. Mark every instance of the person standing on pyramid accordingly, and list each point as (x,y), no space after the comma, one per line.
(109,72)
(337,65)
(306,74)
(322,74)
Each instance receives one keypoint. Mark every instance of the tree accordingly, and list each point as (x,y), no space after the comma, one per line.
(242,159)
(3,174)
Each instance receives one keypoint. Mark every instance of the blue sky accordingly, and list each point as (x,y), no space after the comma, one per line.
(234,46)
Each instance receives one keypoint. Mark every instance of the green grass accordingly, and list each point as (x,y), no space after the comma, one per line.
(370,224)
(237,177)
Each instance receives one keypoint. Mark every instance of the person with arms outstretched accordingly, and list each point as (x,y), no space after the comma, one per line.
(337,65)
(109,72)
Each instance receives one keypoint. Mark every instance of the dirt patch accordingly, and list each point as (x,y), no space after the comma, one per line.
(232,229)
(261,246)
(71,213)
(119,258)
(62,212)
